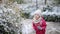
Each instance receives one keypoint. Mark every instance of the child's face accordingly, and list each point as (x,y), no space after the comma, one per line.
(36,16)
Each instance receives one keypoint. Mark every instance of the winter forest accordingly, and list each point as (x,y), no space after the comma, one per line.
(16,16)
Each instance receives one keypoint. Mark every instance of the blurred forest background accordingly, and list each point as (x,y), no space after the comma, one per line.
(14,12)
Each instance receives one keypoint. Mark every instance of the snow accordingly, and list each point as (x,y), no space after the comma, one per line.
(27,27)
(1,11)
(55,11)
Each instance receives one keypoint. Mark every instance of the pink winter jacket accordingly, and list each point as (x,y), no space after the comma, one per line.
(43,26)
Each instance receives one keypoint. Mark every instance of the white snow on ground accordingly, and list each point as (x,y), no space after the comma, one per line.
(27,27)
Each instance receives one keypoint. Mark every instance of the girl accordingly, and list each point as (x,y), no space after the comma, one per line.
(39,24)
